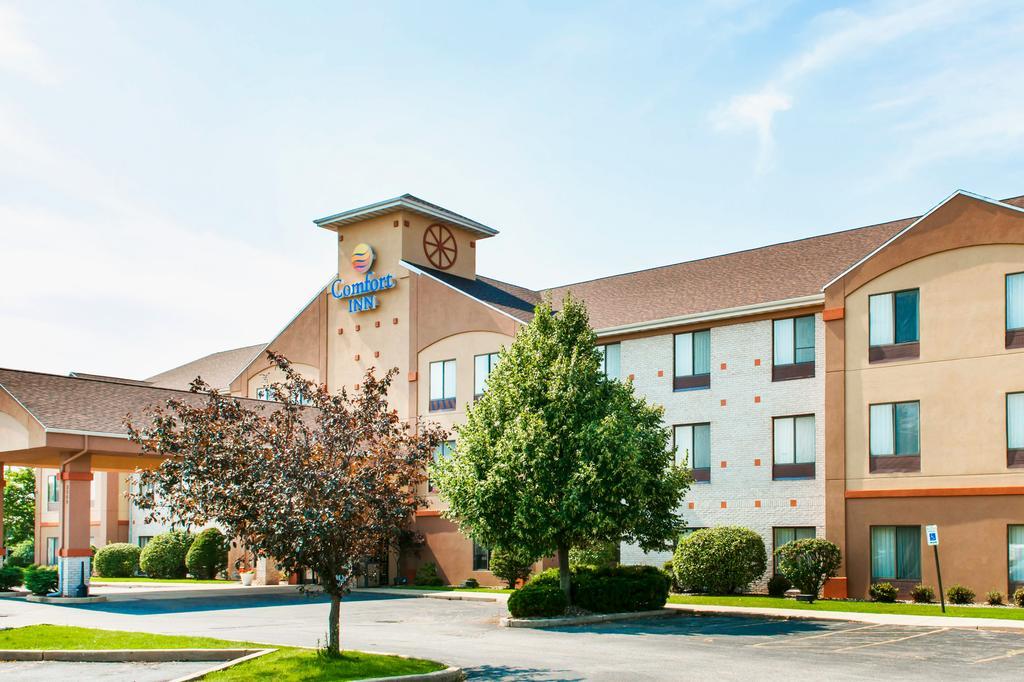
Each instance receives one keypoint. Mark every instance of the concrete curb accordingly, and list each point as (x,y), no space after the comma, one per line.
(223,666)
(447,675)
(170,593)
(582,620)
(13,593)
(129,655)
(492,597)
(65,600)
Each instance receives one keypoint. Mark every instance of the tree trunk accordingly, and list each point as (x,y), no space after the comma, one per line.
(563,570)
(333,626)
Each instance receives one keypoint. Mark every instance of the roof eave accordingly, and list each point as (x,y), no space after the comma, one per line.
(408,203)
(412,268)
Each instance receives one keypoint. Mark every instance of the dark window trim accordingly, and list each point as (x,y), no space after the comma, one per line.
(1012,585)
(792,370)
(894,352)
(442,404)
(486,552)
(899,463)
(490,368)
(690,382)
(1014,456)
(902,583)
(797,469)
(916,342)
(700,474)
(1014,336)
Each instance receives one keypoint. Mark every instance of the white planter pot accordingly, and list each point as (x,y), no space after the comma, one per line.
(247,578)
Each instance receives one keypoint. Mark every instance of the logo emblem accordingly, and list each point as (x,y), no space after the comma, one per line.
(362,258)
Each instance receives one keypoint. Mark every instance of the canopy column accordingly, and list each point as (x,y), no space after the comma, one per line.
(3,550)
(74,558)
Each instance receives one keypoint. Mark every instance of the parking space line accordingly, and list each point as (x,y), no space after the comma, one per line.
(1008,654)
(825,634)
(731,626)
(891,641)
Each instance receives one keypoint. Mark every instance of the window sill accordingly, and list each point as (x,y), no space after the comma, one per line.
(895,352)
(1015,338)
(798,370)
(793,471)
(692,382)
(702,475)
(894,464)
(442,405)
(1015,458)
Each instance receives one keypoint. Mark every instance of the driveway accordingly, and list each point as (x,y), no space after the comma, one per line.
(466,634)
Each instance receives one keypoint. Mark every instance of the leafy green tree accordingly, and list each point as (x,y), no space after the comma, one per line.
(19,506)
(511,565)
(555,455)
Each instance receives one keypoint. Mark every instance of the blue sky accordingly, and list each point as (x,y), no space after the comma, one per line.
(160,163)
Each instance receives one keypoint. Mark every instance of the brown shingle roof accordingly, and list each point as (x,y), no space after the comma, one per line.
(216,369)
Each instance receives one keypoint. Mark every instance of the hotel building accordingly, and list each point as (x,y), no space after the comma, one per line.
(856,385)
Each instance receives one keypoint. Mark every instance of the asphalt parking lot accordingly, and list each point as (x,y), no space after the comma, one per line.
(674,648)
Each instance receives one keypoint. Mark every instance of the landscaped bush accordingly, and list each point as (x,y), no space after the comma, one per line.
(720,560)
(22,554)
(537,600)
(164,555)
(471,583)
(10,577)
(426,576)
(994,598)
(620,589)
(958,594)
(885,592)
(808,563)
(40,580)
(675,586)
(922,594)
(1018,597)
(778,584)
(597,555)
(510,565)
(208,554)
(117,560)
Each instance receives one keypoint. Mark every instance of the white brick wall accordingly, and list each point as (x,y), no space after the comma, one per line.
(741,431)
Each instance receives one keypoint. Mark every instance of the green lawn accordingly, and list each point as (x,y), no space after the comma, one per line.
(193,581)
(1011,613)
(454,588)
(287,663)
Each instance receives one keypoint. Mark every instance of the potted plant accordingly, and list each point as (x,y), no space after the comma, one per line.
(246,575)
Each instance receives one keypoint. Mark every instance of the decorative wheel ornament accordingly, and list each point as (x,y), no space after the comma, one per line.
(440,246)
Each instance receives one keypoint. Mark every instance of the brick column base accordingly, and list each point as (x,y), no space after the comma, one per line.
(835,588)
(74,572)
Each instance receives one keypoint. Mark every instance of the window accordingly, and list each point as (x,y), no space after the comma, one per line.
(51,551)
(1015,557)
(481,558)
(793,348)
(693,447)
(442,451)
(483,365)
(895,553)
(892,321)
(1015,429)
(895,437)
(52,489)
(1015,310)
(610,365)
(692,361)
(794,451)
(266,393)
(442,385)
(782,536)
(143,540)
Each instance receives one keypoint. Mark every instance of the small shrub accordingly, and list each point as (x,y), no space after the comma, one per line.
(164,555)
(994,598)
(808,563)
(208,554)
(883,592)
(22,554)
(597,555)
(778,584)
(471,582)
(10,577)
(510,565)
(674,586)
(922,594)
(720,560)
(1018,597)
(620,589)
(40,580)
(117,560)
(958,594)
(426,576)
(537,601)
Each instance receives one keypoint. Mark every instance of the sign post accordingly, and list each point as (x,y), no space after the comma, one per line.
(932,533)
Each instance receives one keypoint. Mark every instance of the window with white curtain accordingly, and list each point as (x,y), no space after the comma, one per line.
(693,447)
(1015,421)
(1015,548)
(793,340)
(483,365)
(1015,301)
(692,352)
(893,318)
(610,360)
(442,385)
(794,439)
(895,553)
(895,429)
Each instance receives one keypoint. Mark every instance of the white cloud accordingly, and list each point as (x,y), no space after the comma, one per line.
(756,111)
(18,53)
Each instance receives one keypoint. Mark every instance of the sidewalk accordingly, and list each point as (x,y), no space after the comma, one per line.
(127,591)
(877,618)
(448,595)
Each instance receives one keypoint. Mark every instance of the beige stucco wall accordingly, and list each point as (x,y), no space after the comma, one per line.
(961,377)
(269,375)
(413,251)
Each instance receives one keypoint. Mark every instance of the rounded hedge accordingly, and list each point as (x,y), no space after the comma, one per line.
(537,600)
(883,592)
(22,554)
(720,560)
(40,580)
(10,577)
(164,555)
(613,589)
(117,560)
(959,594)
(922,594)
(208,554)
(778,584)
(808,563)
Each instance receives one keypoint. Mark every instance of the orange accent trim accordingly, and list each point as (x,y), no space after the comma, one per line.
(357,356)
(631,377)
(122,522)
(661,372)
(757,504)
(340,330)
(757,398)
(757,462)
(428,512)
(936,492)
(394,320)
(757,362)
(76,476)
(723,402)
(792,503)
(690,505)
(725,505)
(835,588)
(74,552)
(724,365)
(48,524)
(376,323)
(358,327)
(413,376)
(376,353)
(830,314)
(723,464)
